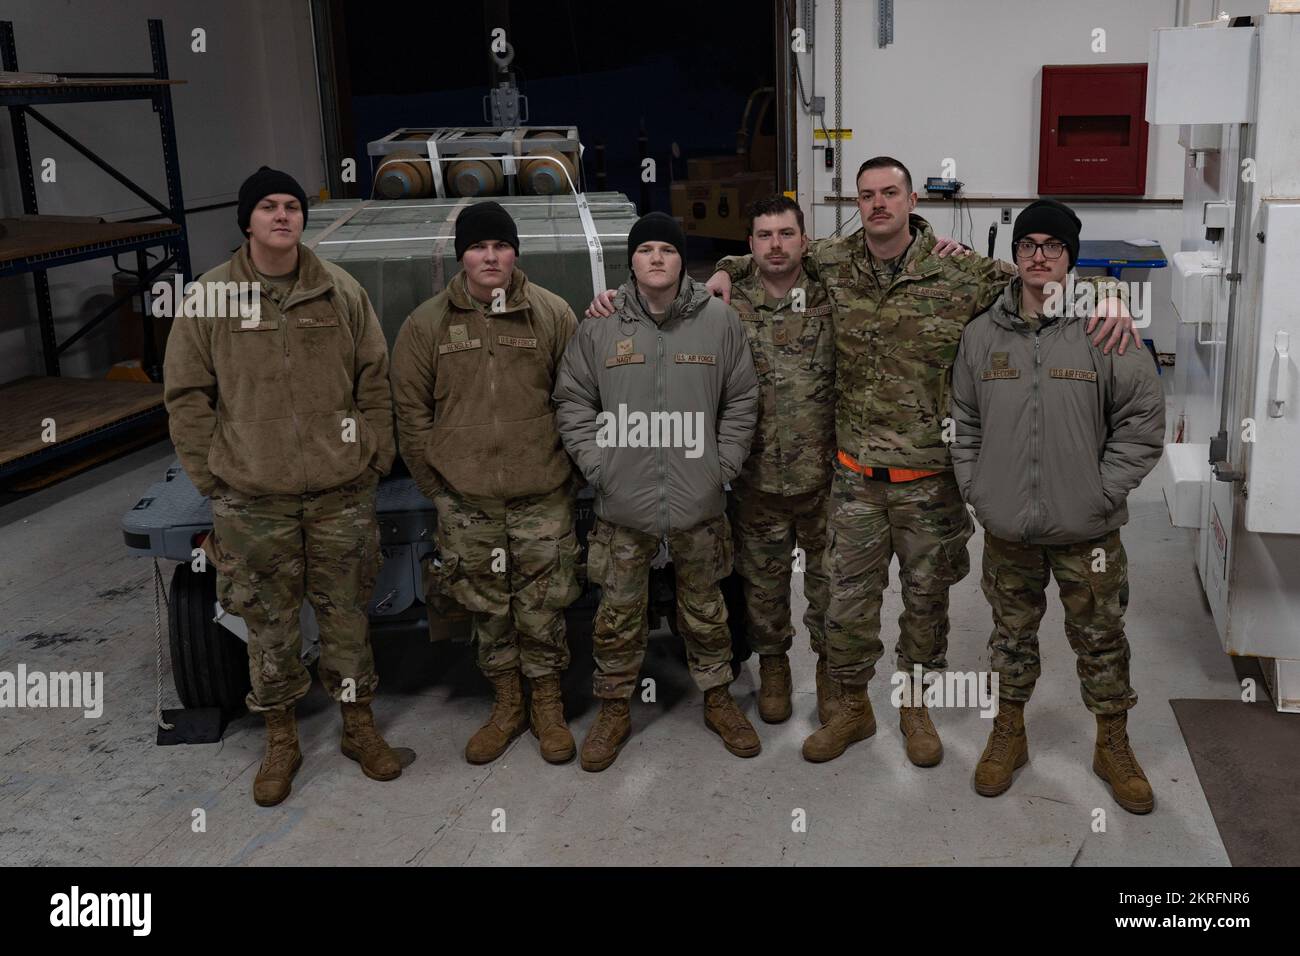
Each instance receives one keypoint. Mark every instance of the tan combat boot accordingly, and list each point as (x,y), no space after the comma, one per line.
(1113,761)
(852,721)
(506,722)
(774,688)
(546,718)
(723,717)
(362,743)
(828,692)
(1006,751)
(924,748)
(612,727)
(282,760)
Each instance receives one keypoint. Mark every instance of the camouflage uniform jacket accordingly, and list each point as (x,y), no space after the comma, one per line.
(895,343)
(793,343)
(472,387)
(295,402)
(1052,434)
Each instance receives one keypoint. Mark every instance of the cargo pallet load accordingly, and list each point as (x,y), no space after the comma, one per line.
(403,251)
(476,161)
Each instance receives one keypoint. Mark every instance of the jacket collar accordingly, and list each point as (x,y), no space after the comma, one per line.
(920,261)
(516,293)
(751,287)
(313,278)
(691,297)
(1006,312)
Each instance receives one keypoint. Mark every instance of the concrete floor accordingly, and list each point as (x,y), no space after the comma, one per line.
(74,790)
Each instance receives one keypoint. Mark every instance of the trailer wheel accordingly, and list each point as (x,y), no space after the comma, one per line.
(209,664)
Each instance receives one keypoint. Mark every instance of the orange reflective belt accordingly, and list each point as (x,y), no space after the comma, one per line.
(895,474)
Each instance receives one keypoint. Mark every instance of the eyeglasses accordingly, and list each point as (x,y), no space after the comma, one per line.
(1052,249)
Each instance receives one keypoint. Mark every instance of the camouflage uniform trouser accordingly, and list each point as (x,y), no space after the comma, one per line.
(270,552)
(766,527)
(1015,581)
(926,524)
(512,563)
(618,559)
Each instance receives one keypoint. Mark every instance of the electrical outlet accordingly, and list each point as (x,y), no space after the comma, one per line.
(1006,215)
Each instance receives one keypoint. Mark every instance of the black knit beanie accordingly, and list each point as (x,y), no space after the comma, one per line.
(263,183)
(1053,218)
(657,227)
(484,221)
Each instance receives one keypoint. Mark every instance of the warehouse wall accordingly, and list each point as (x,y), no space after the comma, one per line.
(249,100)
(962,79)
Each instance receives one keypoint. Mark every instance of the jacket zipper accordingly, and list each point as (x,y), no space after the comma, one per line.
(293,405)
(661,406)
(496,421)
(1031,526)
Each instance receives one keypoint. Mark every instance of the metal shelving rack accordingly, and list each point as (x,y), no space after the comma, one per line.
(94,416)
(81,244)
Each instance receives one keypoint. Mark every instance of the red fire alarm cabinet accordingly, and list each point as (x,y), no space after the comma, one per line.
(1093,138)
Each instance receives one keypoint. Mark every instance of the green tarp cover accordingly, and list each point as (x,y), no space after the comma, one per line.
(402,251)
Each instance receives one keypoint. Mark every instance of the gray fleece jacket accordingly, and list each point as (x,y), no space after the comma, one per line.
(659,415)
(1051,434)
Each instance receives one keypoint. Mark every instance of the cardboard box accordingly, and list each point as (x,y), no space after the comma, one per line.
(719,208)
(130,321)
(714,167)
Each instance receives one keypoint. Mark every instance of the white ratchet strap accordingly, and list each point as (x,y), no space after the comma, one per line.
(594,250)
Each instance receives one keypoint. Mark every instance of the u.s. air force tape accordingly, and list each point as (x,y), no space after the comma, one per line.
(1078,374)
